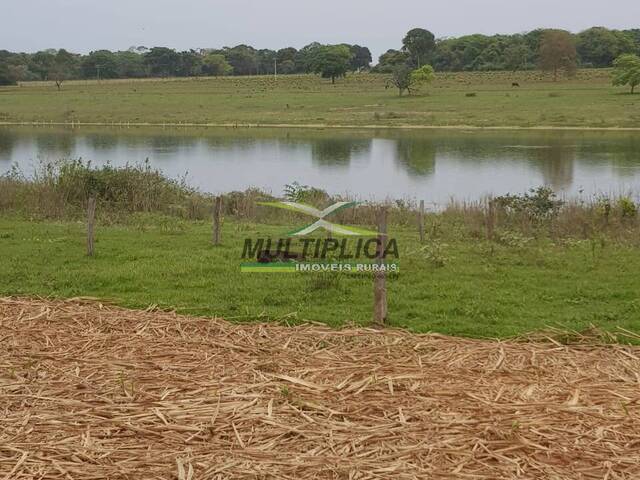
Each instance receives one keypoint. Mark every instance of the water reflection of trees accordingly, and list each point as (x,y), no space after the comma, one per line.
(331,152)
(237,143)
(103,142)
(8,141)
(418,156)
(55,144)
(553,156)
(170,144)
(556,164)
(623,153)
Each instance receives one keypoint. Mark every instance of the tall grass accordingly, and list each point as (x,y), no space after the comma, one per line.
(60,191)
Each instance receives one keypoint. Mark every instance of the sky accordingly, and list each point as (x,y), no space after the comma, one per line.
(85,25)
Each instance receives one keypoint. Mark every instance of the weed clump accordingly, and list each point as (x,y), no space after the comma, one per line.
(627,207)
(62,189)
(538,203)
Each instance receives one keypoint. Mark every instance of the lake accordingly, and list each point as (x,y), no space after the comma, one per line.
(433,165)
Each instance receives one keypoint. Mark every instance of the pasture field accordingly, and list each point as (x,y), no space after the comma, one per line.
(477,99)
(455,284)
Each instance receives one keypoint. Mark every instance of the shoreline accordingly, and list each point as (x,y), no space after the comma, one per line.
(314,126)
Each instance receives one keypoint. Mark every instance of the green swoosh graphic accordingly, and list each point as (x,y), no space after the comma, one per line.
(321,223)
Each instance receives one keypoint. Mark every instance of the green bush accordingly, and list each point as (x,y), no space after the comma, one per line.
(295,192)
(627,207)
(538,203)
(134,187)
(62,189)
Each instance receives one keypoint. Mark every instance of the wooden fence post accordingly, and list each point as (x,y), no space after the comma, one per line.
(491,220)
(379,277)
(217,212)
(91,219)
(421,221)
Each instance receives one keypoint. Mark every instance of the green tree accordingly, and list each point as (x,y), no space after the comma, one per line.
(515,56)
(419,44)
(470,52)
(599,46)
(6,76)
(391,59)
(63,68)
(216,65)
(634,34)
(162,61)
(20,72)
(626,71)
(41,63)
(360,57)
(14,68)
(422,76)
(492,55)
(266,60)
(306,58)
(332,61)
(189,64)
(99,64)
(243,59)
(286,58)
(404,78)
(131,65)
(557,52)
(445,58)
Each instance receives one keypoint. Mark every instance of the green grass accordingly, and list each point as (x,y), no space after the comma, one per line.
(588,100)
(464,287)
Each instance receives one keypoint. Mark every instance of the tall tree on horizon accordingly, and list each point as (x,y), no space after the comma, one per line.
(558,52)
(162,61)
(332,61)
(63,68)
(419,44)
(360,57)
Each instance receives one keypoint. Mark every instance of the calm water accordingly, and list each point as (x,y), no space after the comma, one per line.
(431,165)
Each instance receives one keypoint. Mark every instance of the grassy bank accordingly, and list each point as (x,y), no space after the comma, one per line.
(499,268)
(455,99)
(454,284)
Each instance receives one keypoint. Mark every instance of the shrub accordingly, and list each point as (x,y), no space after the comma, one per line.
(538,203)
(63,188)
(627,207)
(434,253)
(294,192)
(133,187)
(603,205)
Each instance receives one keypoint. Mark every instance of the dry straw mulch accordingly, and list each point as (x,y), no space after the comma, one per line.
(89,391)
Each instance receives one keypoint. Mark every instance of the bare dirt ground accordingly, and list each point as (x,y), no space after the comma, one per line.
(89,391)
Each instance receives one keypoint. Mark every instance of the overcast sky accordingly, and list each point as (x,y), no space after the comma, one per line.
(85,25)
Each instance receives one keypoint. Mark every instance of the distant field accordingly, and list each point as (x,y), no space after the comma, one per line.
(480,99)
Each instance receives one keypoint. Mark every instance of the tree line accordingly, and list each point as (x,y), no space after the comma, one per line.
(331,61)
(596,47)
(553,50)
